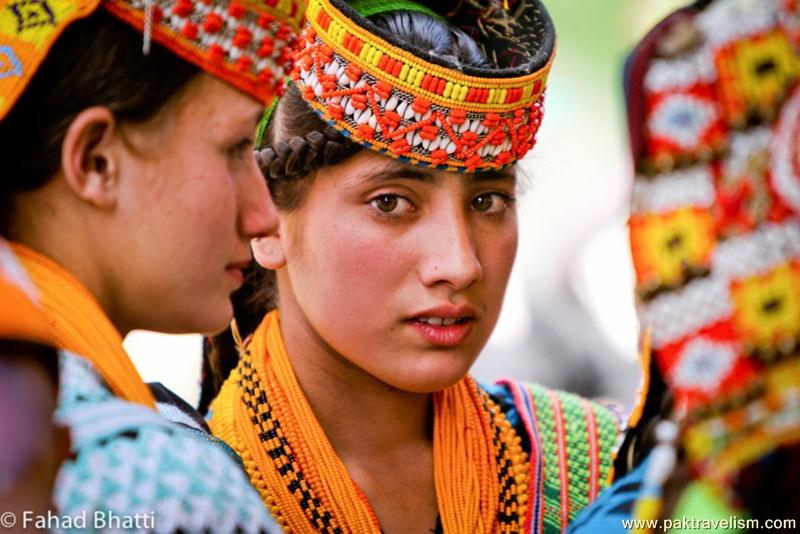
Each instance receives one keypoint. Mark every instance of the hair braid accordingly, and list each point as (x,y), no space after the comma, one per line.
(299,156)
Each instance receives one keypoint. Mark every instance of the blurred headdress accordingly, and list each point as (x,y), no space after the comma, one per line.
(714,118)
(245,42)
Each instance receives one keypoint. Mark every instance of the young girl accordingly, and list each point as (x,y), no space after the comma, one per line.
(130,192)
(351,405)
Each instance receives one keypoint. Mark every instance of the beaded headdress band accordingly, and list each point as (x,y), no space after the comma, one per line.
(422,109)
(714,113)
(245,42)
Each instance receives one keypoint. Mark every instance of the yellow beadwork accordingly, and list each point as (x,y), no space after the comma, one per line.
(476,450)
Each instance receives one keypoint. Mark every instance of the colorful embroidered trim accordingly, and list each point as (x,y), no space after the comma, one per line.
(248,43)
(577,438)
(393,102)
(245,42)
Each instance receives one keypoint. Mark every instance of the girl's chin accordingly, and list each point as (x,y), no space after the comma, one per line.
(428,382)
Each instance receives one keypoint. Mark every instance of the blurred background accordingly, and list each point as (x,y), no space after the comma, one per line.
(568,320)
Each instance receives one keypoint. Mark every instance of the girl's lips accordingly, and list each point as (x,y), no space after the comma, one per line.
(236,270)
(237,274)
(441,335)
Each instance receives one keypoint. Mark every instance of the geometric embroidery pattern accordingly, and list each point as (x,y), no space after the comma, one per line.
(32,14)
(147,465)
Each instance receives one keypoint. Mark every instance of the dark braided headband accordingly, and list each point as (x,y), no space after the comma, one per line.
(298,156)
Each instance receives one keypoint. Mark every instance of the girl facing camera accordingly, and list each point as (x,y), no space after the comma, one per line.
(391,160)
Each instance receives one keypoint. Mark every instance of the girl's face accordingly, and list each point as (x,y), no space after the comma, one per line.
(396,269)
(192,198)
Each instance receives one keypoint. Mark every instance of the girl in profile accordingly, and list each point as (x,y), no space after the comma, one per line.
(130,193)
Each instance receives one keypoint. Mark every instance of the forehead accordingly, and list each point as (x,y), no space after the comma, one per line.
(211,101)
(368,166)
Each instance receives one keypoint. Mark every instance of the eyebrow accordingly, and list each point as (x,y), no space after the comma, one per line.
(395,171)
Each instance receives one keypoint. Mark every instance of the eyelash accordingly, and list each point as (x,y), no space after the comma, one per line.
(508,201)
(389,214)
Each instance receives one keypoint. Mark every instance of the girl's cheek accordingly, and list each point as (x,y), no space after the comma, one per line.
(365,258)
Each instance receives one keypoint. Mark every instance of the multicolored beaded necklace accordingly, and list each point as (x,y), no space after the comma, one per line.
(480,469)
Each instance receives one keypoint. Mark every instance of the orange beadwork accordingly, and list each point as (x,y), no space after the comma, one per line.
(264,415)
(755,75)
(78,324)
(670,248)
(415,110)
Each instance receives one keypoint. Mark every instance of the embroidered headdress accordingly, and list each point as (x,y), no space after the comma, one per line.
(714,111)
(245,42)
(402,101)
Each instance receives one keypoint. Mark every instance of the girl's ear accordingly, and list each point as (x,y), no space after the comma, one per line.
(88,157)
(268,251)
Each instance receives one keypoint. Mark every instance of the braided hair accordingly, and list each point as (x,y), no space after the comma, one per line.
(297,143)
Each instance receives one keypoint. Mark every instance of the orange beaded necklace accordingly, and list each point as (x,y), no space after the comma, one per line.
(81,326)
(480,469)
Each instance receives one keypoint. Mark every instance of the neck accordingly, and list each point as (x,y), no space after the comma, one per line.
(361,415)
(65,237)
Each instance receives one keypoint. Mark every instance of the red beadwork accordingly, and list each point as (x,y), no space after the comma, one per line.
(265,20)
(183,8)
(401,146)
(469,137)
(392,119)
(359,101)
(213,23)
(189,30)
(266,76)
(383,89)
(421,105)
(353,72)
(491,120)
(244,63)
(429,132)
(458,116)
(236,10)
(267,47)
(336,111)
(283,32)
(242,37)
(323,19)
(439,156)
(216,53)
(366,131)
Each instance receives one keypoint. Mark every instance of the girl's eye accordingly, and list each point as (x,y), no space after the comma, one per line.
(391,204)
(491,203)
